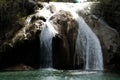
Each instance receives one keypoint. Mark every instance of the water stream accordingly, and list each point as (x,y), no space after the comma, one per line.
(46,36)
(88,47)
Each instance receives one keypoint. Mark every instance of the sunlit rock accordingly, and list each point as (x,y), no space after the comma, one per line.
(64,42)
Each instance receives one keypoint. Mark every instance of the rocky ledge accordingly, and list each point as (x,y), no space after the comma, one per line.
(22,46)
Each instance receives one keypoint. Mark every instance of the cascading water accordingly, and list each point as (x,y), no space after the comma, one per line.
(88,47)
(46,36)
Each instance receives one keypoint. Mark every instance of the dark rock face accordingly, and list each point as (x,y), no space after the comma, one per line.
(25,52)
(111,13)
(21,44)
(64,42)
(110,10)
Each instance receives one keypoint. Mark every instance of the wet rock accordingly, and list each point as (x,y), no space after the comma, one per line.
(108,37)
(17,40)
(19,67)
(103,19)
(64,42)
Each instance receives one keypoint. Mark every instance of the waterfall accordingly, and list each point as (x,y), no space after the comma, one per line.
(88,47)
(46,36)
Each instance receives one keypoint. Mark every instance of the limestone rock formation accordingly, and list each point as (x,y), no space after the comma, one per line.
(25,35)
(64,42)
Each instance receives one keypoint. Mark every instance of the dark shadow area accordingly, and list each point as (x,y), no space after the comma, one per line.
(60,54)
(27,53)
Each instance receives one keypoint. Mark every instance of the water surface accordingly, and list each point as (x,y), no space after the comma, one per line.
(50,74)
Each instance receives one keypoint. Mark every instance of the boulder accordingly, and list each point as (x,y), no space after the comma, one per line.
(64,42)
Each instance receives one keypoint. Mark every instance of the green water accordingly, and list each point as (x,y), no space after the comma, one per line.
(45,74)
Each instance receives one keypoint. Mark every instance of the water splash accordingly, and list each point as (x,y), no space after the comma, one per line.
(88,47)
